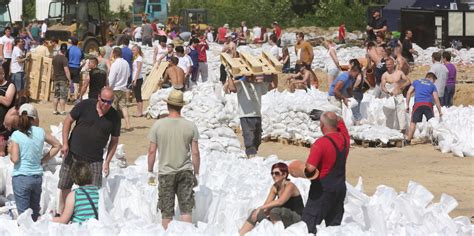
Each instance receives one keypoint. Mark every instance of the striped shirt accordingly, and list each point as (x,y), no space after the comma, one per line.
(83,210)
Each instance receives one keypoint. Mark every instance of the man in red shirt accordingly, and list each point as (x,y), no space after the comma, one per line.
(327,156)
(221,32)
(202,47)
(342,33)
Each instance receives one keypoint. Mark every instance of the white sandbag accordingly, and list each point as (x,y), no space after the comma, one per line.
(389,103)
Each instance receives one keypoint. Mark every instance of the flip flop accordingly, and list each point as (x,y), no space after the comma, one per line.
(137,116)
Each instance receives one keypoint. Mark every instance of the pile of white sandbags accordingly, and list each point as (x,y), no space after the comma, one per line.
(286,114)
(374,133)
(454,132)
(463,56)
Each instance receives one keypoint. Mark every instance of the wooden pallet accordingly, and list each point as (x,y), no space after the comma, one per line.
(46,75)
(153,80)
(249,65)
(34,76)
(235,66)
(377,143)
(286,141)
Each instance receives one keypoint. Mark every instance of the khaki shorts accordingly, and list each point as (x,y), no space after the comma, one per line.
(61,89)
(180,184)
(120,100)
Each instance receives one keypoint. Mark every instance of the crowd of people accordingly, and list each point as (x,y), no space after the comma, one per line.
(109,75)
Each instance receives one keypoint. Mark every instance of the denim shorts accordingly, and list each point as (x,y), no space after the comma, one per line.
(18,80)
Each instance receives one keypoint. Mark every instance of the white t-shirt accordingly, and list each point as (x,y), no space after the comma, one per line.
(119,74)
(184,63)
(161,52)
(135,67)
(15,65)
(210,37)
(44,28)
(249,96)
(138,32)
(257,32)
(276,51)
(7,43)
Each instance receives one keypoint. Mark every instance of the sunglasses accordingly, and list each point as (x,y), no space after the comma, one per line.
(276,173)
(109,102)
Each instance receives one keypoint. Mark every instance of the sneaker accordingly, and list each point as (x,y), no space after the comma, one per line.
(63,113)
(56,113)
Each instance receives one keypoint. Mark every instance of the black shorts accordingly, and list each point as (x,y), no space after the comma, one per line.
(417,115)
(75,74)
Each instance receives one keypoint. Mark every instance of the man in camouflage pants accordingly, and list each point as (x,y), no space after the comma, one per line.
(177,140)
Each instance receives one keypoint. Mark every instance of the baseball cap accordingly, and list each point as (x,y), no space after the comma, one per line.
(30,110)
(226,25)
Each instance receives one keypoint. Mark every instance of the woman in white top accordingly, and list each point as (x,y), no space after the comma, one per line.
(332,61)
(137,78)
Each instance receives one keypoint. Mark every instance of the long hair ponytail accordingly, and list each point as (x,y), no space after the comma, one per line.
(24,123)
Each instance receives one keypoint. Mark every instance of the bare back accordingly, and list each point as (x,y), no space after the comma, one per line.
(175,76)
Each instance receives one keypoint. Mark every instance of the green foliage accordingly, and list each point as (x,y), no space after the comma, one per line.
(29,9)
(264,12)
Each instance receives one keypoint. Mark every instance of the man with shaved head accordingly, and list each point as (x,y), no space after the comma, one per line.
(96,122)
(327,157)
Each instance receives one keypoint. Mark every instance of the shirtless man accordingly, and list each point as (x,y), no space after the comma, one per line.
(303,79)
(393,83)
(231,49)
(402,63)
(174,76)
(377,55)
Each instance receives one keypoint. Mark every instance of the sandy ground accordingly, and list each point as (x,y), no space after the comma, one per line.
(395,167)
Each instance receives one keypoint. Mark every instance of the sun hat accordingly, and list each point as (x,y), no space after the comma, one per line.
(30,110)
(175,98)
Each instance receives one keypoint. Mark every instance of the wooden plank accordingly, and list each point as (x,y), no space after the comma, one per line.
(34,76)
(273,61)
(152,81)
(46,75)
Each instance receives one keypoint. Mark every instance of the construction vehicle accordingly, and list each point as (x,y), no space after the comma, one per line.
(77,18)
(188,19)
(154,9)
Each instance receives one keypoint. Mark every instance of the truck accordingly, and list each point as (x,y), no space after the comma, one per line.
(78,18)
(154,9)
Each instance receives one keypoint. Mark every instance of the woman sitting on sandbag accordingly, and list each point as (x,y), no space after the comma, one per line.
(81,204)
(284,202)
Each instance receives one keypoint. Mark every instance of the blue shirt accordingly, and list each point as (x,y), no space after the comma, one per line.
(127,55)
(424,90)
(347,83)
(194,54)
(31,152)
(74,56)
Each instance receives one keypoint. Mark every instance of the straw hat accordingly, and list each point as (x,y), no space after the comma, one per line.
(175,98)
